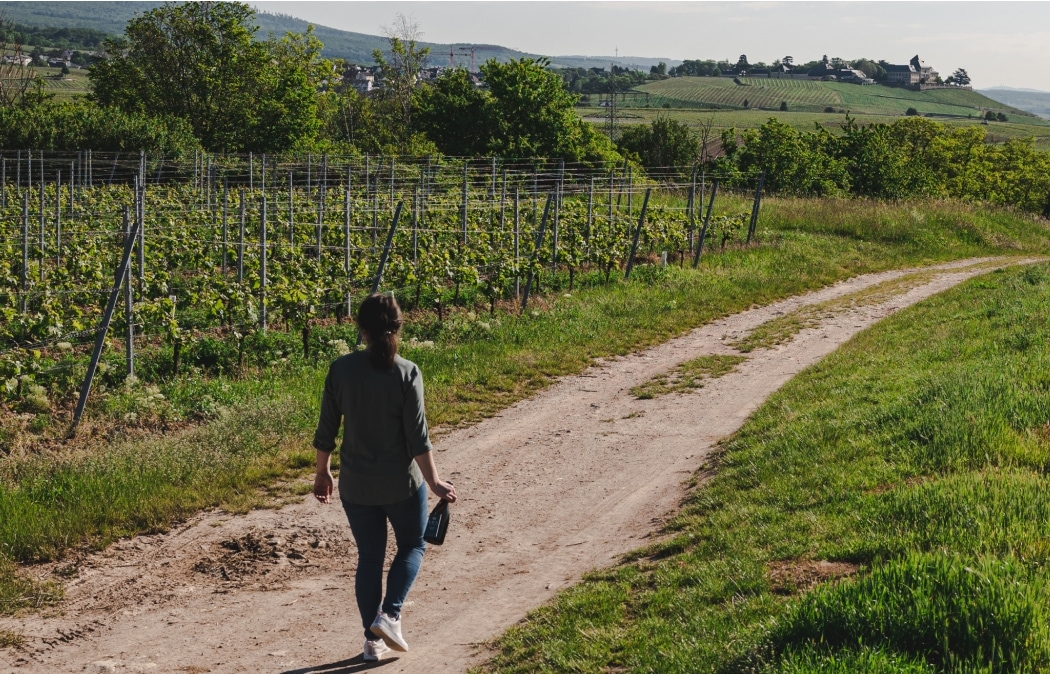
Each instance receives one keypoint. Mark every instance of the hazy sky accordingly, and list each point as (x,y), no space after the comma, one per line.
(1004,43)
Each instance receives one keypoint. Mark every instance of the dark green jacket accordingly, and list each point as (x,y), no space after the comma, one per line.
(384,428)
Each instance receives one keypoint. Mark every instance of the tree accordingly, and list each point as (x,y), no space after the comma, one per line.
(788,61)
(400,69)
(783,106)
(456,114)
(16,76)
(959,78)
(198,61)
(665,142)
(533,115)
(658,70)
(870,68)
(747,103)
(741,63)
(1000,117)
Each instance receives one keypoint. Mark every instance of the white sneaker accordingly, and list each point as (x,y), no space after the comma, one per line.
(375,650)
(390,630)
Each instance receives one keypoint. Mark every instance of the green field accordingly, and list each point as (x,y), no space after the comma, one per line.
(1023,127)
(64,86)
(811,96)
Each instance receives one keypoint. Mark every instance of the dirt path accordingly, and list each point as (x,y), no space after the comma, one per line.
(554,486)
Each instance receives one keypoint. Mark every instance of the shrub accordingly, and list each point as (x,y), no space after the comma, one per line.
(911,112)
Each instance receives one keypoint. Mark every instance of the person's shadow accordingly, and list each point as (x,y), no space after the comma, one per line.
(355,664)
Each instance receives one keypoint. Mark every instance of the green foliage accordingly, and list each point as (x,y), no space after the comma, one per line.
(198,62)
(526,111)
(663,143)
(77,124)
(534,115)
(456,114)
(910,157)
(400,69)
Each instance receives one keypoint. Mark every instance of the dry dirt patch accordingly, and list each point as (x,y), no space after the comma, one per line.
(799,575)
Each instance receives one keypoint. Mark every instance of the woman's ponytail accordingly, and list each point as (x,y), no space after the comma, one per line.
(379,317)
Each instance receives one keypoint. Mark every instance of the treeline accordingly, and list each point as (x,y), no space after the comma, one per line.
(192,76)
(912,157)
(51,37)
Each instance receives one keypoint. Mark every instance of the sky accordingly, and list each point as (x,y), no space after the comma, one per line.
(998,43)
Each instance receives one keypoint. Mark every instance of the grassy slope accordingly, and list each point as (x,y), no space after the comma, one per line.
(810,96)
(805,121)
(52,502)
(918,451)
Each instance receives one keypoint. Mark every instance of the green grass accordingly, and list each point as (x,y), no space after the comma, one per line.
(62,87)
(688,376)
(812,96)
(918,452)
(52,501)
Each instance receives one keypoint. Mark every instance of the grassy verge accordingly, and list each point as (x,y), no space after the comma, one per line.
(259,438)
(886,511)
(687,376)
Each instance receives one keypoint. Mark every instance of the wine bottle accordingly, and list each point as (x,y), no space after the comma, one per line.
(437,524)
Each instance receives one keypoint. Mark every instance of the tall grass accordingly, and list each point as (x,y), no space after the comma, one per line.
(479,364)
(917,452)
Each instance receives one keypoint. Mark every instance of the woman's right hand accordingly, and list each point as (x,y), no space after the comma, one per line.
(444,490)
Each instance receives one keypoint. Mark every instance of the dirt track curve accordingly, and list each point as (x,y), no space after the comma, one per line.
(552,487)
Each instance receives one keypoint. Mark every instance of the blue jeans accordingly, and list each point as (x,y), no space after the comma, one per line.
(368,525)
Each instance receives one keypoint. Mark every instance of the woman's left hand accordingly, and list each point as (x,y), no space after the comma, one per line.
(323,485)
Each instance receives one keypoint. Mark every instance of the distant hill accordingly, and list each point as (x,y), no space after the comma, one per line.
(111,17)
(813,96)
(1032,100)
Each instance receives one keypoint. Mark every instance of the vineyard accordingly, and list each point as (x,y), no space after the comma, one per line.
(813,96)
(237,261)
(759,93)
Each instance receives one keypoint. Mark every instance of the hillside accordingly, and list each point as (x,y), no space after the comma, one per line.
(1035,102)
(812,96)
(352,46)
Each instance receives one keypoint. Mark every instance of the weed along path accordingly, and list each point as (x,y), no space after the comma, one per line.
(553,486)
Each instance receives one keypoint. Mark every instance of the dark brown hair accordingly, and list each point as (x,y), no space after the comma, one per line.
(379,317)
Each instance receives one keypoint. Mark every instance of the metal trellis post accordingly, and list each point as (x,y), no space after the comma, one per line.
(535,252)
(707,219)
(637,234)
(122,271)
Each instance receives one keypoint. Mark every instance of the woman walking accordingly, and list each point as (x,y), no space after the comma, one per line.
(384,460)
